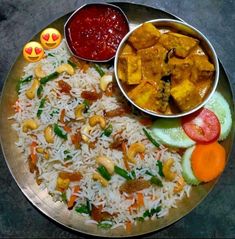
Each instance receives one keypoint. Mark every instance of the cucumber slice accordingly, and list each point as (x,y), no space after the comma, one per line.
(187,173)
(220,107)
(169,132)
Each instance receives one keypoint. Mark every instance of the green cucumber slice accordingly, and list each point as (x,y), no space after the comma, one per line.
(220,107)
(187,172)
(169,132)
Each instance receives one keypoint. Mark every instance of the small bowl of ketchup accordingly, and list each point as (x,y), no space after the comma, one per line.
(94,31)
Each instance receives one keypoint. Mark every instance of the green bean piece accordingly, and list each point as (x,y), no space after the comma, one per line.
(104,172)
(59,132)
(50,77)
(122,172)
(41,106)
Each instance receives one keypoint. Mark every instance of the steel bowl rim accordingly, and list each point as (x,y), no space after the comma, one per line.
(75,12)
(214,56)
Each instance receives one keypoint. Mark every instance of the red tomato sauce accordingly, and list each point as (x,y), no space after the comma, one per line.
(95,31)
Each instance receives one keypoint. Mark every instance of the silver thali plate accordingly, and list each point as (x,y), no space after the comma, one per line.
(57,210)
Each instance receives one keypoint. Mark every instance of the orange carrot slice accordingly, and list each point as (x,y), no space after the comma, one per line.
(73,198)
(128,226)
(208,161)
(140,199)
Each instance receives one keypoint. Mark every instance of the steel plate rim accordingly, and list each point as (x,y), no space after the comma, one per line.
(35,204)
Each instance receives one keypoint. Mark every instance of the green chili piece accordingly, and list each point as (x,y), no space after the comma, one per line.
(41,106)
(22,82)
(105,224)
(99,70)
(108,131)
(155,180)
(122,172)
(151,139)
(87,105)
(151,212)
(39,91)
(59,132)
(104,172)
(50,54)
(82,208)
(72,64)
(50,77)
(160,166)
(64,197)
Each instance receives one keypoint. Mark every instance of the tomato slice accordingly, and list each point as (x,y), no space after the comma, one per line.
(202,126)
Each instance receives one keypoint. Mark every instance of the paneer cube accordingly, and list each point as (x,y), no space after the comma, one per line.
(122,68)
(152,59)
(129,69)
(185,95)
(181,43)
(145,36)
(205,69)
(143,94)
(128,50)
(181,69)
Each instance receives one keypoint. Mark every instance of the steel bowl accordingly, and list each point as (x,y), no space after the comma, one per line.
(77,11)
(183,28)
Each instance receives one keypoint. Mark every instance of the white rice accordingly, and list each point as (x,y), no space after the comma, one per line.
(83,159)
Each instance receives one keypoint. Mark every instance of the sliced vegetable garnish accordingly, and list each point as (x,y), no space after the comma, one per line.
(108,131)
(99,69)
(122,172)
(151,212)
(220,107)
(51,55)
(155,180)
(202,126)
(187,172)
(104,172)
(160,167)
(151,139)
(22,82)
(105,224)
(39,91)
(50,77)
(169,132)
(60,132)
(41,106)
(208,161)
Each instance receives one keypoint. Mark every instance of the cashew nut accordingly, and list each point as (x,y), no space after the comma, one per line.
(40,150)
(133,150)
(166,169)
(180,185)
(85,131)
(45,152)
(78,111)
(38,71)
(62,184)
(97,177)
(104,81)
(30,93)
(97,119)
(106,162)
(48,134)
(65,68)
(29,124)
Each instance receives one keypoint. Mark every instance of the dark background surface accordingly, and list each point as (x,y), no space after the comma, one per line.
(21,19)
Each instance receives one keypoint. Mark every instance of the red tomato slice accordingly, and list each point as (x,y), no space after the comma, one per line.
(202,126)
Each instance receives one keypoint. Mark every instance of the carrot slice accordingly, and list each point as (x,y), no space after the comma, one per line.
(73,198)
(62,115)
(208,161)
(125,156)
(140,199)
(128,226)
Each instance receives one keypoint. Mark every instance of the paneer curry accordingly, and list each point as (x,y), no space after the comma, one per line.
(165,71)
